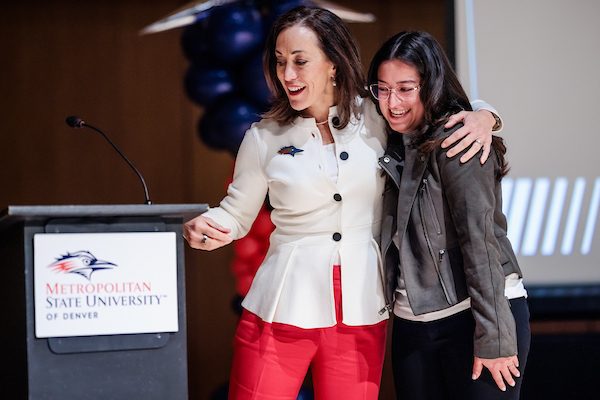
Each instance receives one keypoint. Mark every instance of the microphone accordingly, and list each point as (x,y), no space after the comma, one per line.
(76,122)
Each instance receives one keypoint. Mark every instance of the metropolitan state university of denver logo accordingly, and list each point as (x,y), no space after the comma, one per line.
(82,263)
(105,284)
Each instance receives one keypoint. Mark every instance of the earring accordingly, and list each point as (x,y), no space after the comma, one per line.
(333,81)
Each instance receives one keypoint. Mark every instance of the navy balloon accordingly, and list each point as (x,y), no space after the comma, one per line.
(223,124)
(205,85)
(196,43)
(305,393)
(251,80)
(235,31)
(277,7)
(220,393)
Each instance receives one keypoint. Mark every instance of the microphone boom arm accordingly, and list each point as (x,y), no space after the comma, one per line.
(146,196)
(75,122)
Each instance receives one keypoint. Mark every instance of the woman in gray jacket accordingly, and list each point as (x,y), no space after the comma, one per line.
(451,276)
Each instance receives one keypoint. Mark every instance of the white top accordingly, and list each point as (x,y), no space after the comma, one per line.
(331,168)
(513,289)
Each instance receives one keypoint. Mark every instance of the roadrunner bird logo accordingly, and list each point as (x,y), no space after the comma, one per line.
(81,262)
(291,150)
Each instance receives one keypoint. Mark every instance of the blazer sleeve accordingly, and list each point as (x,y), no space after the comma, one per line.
(482,105)
(246,193)
(469,191)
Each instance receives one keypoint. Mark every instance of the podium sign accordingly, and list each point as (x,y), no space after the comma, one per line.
(105,283)
(94,302)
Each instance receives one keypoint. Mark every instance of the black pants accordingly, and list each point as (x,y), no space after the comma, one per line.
(434,360)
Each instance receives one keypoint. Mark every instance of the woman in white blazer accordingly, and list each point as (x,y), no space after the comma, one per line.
(317,300)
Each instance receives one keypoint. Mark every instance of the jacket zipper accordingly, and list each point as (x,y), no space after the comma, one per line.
(385,166)
(436,220)
(430,248)
(387,306)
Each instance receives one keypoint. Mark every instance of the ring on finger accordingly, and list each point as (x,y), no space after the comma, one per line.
(204,238)
(478,141)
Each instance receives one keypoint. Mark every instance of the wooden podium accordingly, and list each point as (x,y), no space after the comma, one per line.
(138,364)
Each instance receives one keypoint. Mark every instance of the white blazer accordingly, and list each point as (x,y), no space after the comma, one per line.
(315,219)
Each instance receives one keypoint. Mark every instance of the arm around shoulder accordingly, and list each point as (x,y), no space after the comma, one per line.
(476,133)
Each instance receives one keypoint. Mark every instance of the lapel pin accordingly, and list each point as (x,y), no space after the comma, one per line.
(291,150)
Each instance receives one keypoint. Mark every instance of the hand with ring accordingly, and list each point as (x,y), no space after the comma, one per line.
(477,129)
(205,234)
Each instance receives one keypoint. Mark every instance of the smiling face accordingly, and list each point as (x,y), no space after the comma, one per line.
(305,72)
(403,114)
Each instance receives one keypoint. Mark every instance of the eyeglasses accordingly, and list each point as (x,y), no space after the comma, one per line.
(383,92)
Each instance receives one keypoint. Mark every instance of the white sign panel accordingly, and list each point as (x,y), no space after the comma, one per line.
(105,283)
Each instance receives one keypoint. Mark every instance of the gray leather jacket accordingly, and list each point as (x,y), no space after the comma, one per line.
(452,236)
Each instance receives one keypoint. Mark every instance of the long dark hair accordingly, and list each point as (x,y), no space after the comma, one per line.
(340,48)
(441,92)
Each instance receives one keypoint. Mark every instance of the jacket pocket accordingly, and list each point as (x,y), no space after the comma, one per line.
(451,269)
(427,203)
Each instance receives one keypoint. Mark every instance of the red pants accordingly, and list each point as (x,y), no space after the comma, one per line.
(271,360)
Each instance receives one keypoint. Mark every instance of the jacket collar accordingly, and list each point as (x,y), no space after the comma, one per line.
(416,165)
(412,167)
(392,166)
(392,161)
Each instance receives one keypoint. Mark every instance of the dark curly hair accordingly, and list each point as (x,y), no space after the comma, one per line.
(441,92)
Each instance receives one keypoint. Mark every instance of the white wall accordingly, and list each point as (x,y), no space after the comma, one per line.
(538,63)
